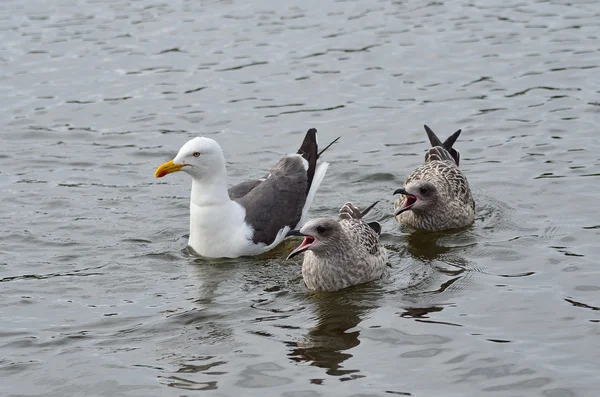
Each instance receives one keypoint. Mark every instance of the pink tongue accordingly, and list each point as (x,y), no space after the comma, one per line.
(306,241)
(408,201)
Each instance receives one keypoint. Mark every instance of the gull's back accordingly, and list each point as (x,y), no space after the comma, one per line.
(364,235)
(370,255)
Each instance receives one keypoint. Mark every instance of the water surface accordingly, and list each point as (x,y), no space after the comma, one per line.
(98,296)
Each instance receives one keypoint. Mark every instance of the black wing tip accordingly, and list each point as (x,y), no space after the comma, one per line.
(309,151)
(309,145)
(433,139)
(447,144)
(376,226)
(369,208)
(311,135)
(328,146)
(310,140)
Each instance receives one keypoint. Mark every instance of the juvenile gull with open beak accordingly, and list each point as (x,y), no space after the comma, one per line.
(436,196)
(340,253)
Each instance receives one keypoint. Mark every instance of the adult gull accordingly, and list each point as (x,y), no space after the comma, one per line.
(252,217)
(436,196)
(340,253)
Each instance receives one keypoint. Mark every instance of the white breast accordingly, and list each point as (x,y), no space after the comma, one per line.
(219,231)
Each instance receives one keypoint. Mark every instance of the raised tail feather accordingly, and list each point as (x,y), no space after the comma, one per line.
(349,211)
(436,153)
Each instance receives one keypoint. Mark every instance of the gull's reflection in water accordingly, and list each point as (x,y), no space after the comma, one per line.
(427,271)
(442,246)
(328,343)
(436,269)
(443,251)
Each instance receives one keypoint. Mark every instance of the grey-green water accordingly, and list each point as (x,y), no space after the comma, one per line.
(99,298)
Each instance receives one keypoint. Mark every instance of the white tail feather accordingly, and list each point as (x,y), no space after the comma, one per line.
(316,182)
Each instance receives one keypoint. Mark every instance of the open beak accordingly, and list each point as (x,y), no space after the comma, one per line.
(294,233)
(409,201)
(306,243)
(168,168)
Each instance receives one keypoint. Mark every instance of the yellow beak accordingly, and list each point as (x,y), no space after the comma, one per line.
(168,168)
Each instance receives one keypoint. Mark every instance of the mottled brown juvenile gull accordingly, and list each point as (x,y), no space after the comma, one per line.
(436,196)
(253,217)
(340,253)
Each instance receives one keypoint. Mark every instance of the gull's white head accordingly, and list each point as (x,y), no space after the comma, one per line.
(200,157)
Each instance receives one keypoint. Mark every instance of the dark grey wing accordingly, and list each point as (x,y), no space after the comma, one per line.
(242,189)
(278,200)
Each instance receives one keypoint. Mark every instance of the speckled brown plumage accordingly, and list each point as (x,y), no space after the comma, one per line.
(449,203)
(348,251)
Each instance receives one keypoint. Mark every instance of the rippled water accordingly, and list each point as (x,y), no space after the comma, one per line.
(98,296)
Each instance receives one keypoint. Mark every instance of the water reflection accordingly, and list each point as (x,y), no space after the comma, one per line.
(426,245)
(422,314)
(94,94)
(327,345)
(441,251)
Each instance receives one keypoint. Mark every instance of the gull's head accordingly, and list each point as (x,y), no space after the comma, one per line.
(319,235)
(199,157)
(419,196)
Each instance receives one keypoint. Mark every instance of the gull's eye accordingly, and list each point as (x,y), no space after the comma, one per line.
(424,190)
(321,229)
(196,154)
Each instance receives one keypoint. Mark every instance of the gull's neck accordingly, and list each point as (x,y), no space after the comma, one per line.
(210,191)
